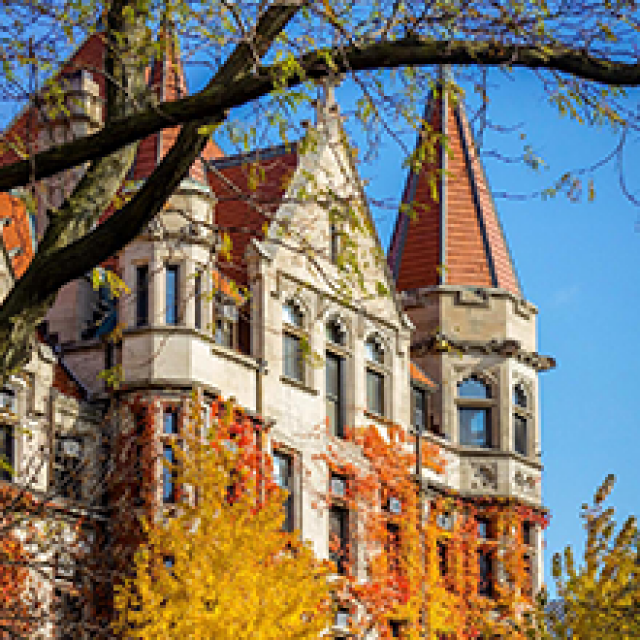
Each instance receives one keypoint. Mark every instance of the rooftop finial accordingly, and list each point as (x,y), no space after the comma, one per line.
(326,105)
(445,74)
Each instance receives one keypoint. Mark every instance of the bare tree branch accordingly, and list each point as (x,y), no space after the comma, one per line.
(220,96)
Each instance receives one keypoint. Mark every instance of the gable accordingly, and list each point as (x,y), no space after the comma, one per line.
(325,189)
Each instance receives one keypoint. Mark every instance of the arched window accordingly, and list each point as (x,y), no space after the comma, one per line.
(519,396)
(293,337)
(474,413)
(336,333)
(374,351)
(521,418)
(335,369)
(474,389)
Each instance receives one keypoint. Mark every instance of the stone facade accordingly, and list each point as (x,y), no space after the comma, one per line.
(454,332)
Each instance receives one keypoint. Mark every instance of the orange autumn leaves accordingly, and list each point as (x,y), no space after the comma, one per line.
(216,564)
(14,605)
(420,557)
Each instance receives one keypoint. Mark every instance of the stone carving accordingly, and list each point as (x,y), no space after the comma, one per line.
(484,476)
(154,227)
(525,482)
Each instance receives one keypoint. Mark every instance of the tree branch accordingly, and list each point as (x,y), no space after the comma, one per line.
(34,293)
(219,97)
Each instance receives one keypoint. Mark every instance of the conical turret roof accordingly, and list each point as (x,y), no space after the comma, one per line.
(166,79)
(455,237)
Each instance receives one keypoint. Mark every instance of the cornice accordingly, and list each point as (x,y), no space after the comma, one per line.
(508,348)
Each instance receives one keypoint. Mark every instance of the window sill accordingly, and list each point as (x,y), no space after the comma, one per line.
(378,418)
(298,385)
(479,450)
(466,450)
(427,433)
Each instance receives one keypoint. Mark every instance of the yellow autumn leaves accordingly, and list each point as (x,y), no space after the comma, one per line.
(219,566)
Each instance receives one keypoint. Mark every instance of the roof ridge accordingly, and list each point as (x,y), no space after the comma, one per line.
(264,153)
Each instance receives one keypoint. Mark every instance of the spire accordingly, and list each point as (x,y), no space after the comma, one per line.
(455,238)
(167,82)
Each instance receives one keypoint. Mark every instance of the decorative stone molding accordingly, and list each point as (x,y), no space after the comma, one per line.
(525,482)
(484,476)
(488,376)
(473,297)
(508,348)
(154,228)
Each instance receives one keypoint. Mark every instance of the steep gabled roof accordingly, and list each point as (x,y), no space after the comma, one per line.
(166,80)
(456,237)
(88,56)
(249,189)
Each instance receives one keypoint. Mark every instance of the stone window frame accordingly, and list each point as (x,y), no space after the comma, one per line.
(491,403)
(178,304)
(419,397)
(340,502)
(334,243)
(299,333)
(72,487)
(527,413)
(199,297)
(529,535)
(9,439)
(393,510)
(381,369)
(341,350)
(486,537)
(279,448)
(220,304)
(166,440)
(140,319)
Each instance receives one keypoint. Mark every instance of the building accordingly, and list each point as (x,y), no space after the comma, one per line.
(450,351)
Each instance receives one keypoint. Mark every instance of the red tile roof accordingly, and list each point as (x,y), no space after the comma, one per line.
(241,211)
(17,233)
(167,80)
(64,382)
(165,77)
(455,238)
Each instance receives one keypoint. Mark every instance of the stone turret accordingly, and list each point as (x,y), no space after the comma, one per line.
(475,332)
